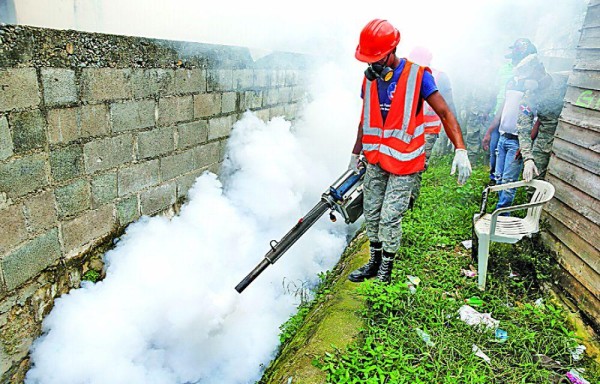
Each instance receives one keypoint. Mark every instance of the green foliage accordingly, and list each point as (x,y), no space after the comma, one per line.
(390,349)
(91,275)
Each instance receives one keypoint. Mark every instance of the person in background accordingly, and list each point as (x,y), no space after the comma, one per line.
(391,138)
(521,48)
(536,135)
(477,110)
(433,124)
(519,100)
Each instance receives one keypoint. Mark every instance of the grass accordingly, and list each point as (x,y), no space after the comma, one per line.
(390,349)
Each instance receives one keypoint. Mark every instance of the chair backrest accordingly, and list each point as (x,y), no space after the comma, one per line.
(544,191)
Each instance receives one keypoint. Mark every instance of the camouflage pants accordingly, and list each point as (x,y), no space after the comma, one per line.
(476,129)
(542,147)
(430,140)
(386,198)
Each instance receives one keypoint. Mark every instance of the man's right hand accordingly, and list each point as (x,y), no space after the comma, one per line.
(485,142)
(354,162)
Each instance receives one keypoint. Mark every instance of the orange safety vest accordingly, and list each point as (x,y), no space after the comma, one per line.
(398,146)
(433,123)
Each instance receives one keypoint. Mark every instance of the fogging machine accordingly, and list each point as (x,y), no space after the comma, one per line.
(345,196)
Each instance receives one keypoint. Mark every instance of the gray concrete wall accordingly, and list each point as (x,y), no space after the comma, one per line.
(97,130)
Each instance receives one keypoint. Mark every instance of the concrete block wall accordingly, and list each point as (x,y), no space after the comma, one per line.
(97,130)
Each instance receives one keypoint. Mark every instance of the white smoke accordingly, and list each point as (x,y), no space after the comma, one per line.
(167,311)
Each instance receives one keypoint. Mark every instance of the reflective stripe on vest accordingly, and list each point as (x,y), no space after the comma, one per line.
(393,153)
(395,142)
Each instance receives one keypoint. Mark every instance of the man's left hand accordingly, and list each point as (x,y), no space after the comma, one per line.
(461,161)
(530,170)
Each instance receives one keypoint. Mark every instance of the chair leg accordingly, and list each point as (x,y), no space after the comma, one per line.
(474,245)
(482,260)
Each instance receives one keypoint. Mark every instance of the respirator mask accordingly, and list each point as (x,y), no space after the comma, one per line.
(379,70)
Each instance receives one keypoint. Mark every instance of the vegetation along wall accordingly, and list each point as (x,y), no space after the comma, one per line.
(97,130)
(574,213)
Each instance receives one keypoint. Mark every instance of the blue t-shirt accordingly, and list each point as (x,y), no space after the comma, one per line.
(386,89)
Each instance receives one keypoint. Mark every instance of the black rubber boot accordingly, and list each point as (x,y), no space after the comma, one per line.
(370,269)
(384,274)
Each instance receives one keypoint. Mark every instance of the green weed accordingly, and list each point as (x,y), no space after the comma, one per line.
(91,275)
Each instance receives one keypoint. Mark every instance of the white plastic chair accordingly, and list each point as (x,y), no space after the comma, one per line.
(507,229)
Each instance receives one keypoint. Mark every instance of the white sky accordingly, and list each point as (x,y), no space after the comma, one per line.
(167,311)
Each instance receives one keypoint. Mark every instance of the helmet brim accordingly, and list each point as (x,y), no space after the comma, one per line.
(369,58)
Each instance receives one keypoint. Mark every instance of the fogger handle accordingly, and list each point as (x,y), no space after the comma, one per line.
(252,275)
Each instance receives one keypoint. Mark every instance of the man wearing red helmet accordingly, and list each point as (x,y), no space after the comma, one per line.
(391,138)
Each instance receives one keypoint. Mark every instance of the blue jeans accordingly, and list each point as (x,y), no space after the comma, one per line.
(508,168)
(493,147)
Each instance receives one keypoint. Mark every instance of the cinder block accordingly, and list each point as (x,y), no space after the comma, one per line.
(23,175)
(100,84)
(89,226)
(220,80)
(59,86)
(30,259)
(285,95)
(262,78)
(207,104)
(66,163)
(94,120)
(63,125)
(13,229)
(107,153)
(104,188)
(73,198)
(127,210)
(132,115)
(229,102)
(243,79)
(251,100)
(40,211)
(6,145)
(185,182)
(176,165)
(271,97)
(219,127)
(190,80)
(175,109)
(207,154)
(69,124)
(292,77)
(137,177)
(155,142)
(19,88)
(190,134)
(158,199)
(29,130)
(222,149)
(152,82)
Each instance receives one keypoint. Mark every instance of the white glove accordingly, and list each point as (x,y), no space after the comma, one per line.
(461,160)
(529,169)
(353,165)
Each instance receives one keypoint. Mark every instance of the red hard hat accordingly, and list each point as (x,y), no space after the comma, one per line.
(377,39)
